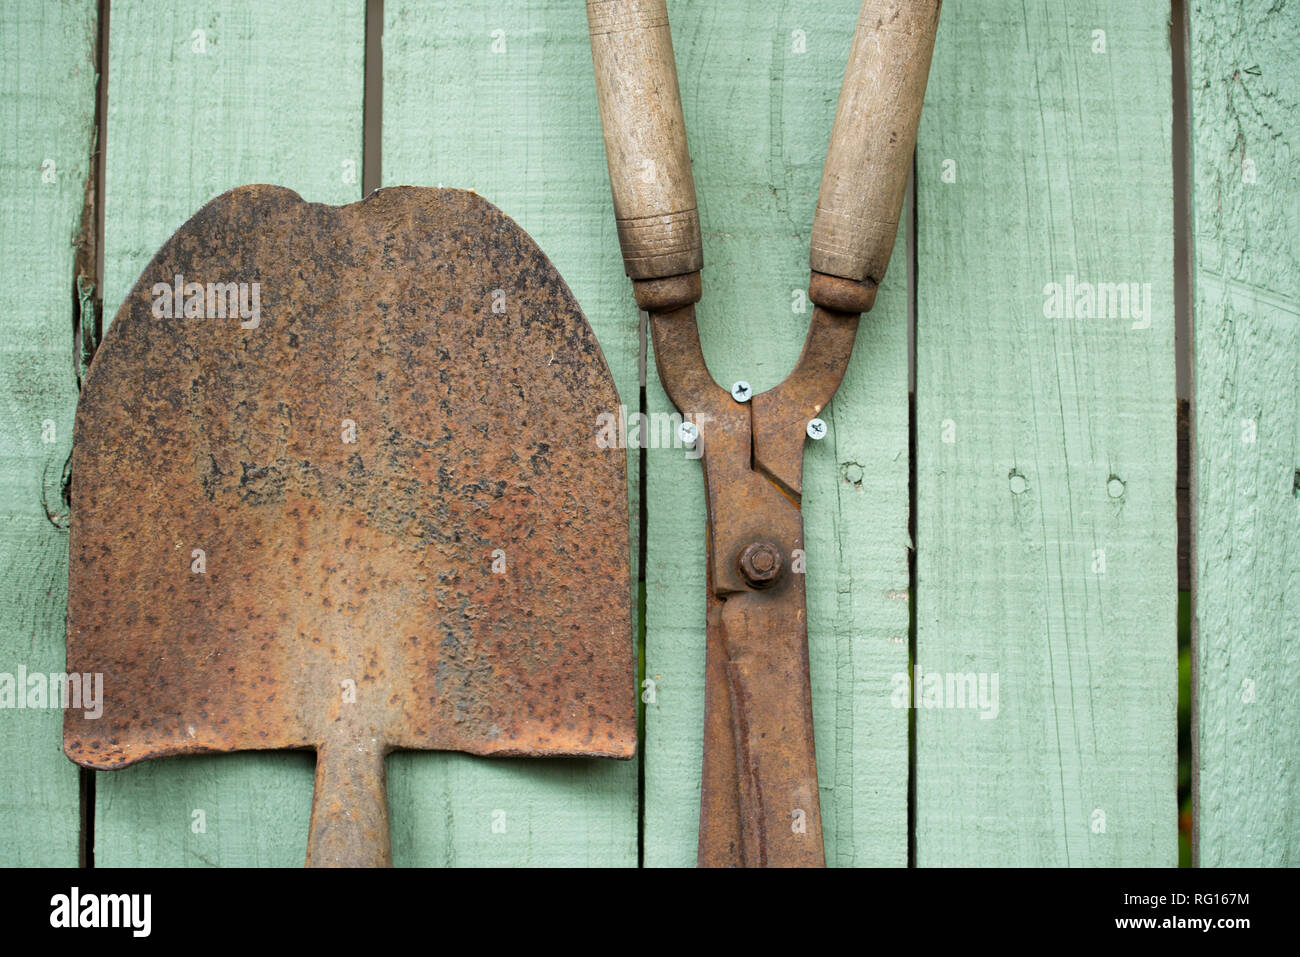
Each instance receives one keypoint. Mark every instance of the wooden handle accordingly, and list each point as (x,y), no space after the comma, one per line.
(645,138)
(349,811)
(873,139)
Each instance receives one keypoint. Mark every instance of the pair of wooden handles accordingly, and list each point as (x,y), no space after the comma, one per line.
(867,163)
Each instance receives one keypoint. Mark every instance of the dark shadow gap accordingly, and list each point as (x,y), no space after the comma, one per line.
(642,556)
(88,265)
(911,216)
(86,791)
(1184,348)
(372,139)
(1182,200)
(88,325)
(101,149)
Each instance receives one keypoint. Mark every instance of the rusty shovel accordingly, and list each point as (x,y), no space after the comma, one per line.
(336,485)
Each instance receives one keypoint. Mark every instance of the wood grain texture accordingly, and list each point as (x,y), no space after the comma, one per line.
(205,95)
(498,97)
(1246,206)
(645,137)
(47,114)
(874,139)
(759,87)
(1046,527)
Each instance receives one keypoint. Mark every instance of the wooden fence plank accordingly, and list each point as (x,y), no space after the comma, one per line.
(47,119)
(205,95)
(1246,208)
(759,87)
(1046,526)
(499,98)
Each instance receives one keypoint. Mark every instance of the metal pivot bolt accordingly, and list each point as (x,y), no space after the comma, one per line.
(760,563)
(741,391)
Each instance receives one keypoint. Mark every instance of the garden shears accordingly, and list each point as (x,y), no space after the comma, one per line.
(759,801)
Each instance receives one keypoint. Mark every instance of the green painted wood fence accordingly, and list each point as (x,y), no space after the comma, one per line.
(1045,430)
(992,591)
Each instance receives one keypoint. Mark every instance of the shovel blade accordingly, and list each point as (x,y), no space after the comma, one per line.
(337,482)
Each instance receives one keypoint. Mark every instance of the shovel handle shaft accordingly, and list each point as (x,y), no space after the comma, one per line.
(873,139)
(349,811)
(645,138)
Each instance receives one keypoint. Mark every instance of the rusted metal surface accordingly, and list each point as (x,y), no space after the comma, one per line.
(760,564)
(373,517)
(759,804)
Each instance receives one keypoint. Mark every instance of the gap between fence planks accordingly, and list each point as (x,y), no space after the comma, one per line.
(1046,541)
(1245,93)
(47,131)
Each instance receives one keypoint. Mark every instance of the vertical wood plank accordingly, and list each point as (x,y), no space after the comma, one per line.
(205,95)
(759,87)
(498,97)
(1246,208)
(47,114)
(1046,528)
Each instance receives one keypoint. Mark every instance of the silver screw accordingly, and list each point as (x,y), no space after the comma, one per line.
(741,391)
(688,432)
(816,429)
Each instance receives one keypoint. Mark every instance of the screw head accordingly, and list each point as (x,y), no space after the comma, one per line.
(817,429)
(759,564)
(741,391)
(688,432)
